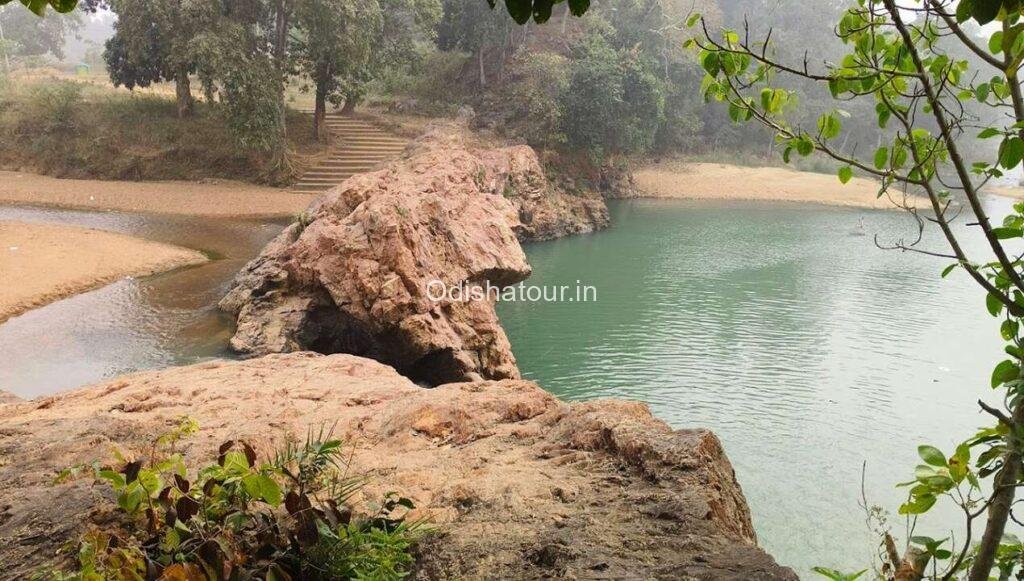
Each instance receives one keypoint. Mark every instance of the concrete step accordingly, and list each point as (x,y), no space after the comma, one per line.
(354,127)
(356,153)
(349,162)
(321,181)
(350,140)
(361,146)
(320,172)
(351,134)
(371,147)
(363,156)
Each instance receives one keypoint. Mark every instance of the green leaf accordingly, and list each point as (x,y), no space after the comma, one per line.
(580,7)
(932,455)
(949,269)
(985,11)
(919,505)
(36,6)
(963,10)
(995,42)
(804,146)
(64,6)
(711,63)
(690,22)
(989,132)
(845,174)
(993,304)
(542,10)
(1011,152)
(519,10)
(829,126)
(1008,330)
(1005,233)
(881,157)
(981,92)
(1005,371)
(263,487)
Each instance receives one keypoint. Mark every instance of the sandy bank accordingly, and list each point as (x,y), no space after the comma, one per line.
(221,199)
(44,263)
(1016,192)
(714,181)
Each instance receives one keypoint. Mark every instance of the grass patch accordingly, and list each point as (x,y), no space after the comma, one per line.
(86,130)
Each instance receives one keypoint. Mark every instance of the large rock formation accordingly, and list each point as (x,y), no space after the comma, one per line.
(355,275)
(518,484)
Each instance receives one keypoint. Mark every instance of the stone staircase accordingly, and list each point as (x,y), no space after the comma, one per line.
(361,146)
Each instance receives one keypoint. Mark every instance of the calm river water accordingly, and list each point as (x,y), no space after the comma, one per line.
(809,351)
(785,330)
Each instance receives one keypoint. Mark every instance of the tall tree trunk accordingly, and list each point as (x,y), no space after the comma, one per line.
(281,25)
(183,92)
(319,110)
(281,164)
(1005,489)
(480,62)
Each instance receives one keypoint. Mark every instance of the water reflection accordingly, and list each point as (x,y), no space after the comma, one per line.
(133,324)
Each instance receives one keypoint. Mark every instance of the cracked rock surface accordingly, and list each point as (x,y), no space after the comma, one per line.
(517,484)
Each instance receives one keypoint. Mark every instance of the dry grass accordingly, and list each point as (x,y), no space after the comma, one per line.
(82,127)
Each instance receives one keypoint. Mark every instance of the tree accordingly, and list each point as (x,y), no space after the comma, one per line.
(616,104)
(904,61)
(153,42)
(406,26)
(474,28)
(335,42)
(25,35)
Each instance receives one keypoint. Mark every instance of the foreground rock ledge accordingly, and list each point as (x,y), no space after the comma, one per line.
(518,483)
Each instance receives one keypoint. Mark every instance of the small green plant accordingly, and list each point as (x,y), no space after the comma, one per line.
(836,575)
(288,517)
(304,219)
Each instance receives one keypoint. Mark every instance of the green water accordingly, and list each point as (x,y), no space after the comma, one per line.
(785,330)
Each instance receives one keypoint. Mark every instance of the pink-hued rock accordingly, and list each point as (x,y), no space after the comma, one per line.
(516,483)
(353,276)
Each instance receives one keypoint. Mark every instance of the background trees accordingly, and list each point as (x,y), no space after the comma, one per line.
(153,43)
(26,35)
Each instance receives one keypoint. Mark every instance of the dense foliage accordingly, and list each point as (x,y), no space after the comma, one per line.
(287,517)
(921,70)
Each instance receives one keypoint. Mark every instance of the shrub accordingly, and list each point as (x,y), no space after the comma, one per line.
(287,517)
(617,102)
(534,98)
(433,79)
(52,108)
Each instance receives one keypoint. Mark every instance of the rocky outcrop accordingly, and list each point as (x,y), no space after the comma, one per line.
(517,483)
(356,274)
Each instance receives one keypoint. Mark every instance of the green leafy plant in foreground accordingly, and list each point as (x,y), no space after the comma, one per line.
(289,517)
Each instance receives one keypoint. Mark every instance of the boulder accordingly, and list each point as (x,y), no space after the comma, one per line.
(516,483)
(355,274)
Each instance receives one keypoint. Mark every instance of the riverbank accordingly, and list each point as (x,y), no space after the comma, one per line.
(43,263)
(716,181)
(219,199)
